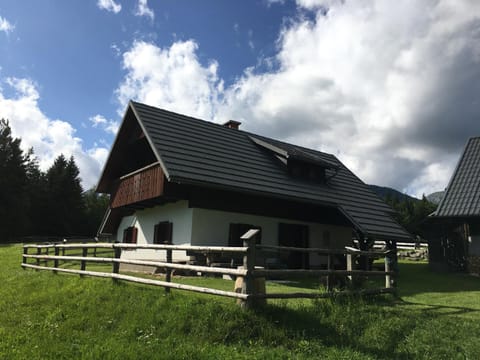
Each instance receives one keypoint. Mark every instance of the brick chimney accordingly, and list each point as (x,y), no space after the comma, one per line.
(232,124)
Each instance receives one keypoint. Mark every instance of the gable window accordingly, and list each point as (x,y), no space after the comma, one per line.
(301,163)
(238,230)
(130,235)
(162,233)
(306,171)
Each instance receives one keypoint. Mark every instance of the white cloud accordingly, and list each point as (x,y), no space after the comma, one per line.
(251,44)
(110,126)
(316,4)
(48,137)
(109,5)
(5,25)
(144,10)
(97,120)
(171,78)
(274,2)
(391,90)
(116,49)
(384,87)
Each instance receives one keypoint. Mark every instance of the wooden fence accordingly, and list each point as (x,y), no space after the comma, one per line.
(249,296)
(400,245)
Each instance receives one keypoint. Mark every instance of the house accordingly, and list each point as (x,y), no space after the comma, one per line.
(176,179)
(453,230)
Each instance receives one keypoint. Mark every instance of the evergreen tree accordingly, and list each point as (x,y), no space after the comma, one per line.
(95,207)
(37,197)
(13,183)
(411,213)
(65,202)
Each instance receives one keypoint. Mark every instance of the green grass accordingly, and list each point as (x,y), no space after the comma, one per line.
(46,316)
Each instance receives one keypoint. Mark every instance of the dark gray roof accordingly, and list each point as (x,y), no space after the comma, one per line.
(193,151)
(462,197)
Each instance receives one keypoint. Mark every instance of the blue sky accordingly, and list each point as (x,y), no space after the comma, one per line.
(392,90)
(72,49)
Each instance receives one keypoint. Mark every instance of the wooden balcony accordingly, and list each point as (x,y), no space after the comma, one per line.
(143,184)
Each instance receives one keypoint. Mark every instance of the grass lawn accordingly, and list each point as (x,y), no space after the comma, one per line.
(48,316)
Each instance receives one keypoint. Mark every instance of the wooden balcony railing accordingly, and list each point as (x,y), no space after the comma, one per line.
(143,184)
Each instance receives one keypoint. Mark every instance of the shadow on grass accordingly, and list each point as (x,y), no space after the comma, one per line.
(417,278)
(414,278)
(306,283)
(438,310)
(347,322)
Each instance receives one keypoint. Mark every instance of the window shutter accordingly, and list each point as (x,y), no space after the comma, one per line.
(155,234)
(134,235)
(130,235)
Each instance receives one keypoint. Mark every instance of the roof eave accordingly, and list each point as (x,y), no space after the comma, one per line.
(150,141)
(97,190)
(186,181)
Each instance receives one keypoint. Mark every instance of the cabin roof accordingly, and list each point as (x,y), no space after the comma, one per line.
(462,196)
(197,152)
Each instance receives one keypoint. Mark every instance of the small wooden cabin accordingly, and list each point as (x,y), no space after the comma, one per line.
(453,230)
(176,179)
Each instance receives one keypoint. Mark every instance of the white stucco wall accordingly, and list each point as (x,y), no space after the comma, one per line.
(211,227)
(145,220)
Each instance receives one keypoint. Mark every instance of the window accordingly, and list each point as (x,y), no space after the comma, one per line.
(130,235)
(162,233)
(236,232)
(327,239)
(294,235)
(307,171)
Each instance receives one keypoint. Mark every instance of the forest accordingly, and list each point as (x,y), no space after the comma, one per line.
(410,212)
(49,203)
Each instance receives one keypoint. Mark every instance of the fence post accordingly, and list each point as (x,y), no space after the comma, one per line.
(350,268)
(39,252)
(388,280)
(24,259)
(95,249)
(55,262)
(116,265)
(83,263)
(168,270)
(248,286)
(329,276)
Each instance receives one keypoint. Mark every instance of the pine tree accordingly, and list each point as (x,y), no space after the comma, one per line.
(37,197)
(13,183)
(65,203)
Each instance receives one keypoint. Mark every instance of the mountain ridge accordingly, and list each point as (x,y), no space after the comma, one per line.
(384,192)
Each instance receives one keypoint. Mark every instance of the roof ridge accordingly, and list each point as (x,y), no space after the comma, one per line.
(210,122)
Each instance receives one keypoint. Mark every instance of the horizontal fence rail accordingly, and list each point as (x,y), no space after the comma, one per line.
(219,249)
(140,280)
(400,245)
(247,293)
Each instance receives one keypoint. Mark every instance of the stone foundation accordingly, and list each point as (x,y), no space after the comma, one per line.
(413,255)
(474,264)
